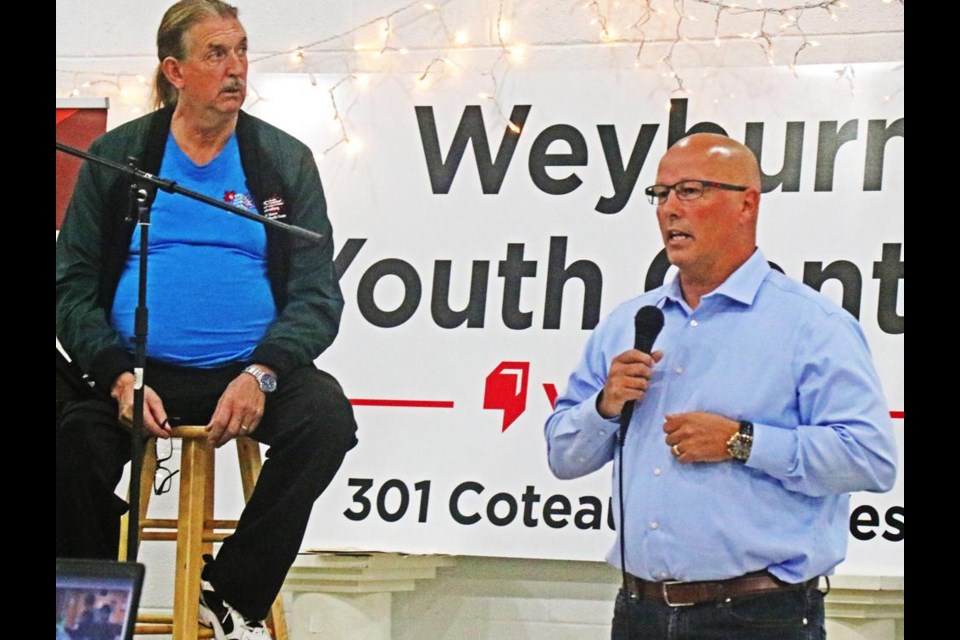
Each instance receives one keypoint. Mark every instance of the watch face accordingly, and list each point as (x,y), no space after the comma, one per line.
(268,383)
(740,447)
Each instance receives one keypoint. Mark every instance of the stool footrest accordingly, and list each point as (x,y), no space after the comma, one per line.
(155,618)
(171,536)
(166,630)
(171,523)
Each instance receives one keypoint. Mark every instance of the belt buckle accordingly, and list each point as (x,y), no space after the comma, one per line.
(666,598)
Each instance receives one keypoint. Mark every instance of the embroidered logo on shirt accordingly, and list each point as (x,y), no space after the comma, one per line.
(273,208)
(242,200)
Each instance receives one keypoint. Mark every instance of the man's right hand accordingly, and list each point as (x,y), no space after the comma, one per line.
(154,415)
(628,379)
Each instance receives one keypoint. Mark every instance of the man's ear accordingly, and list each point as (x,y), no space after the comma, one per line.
(172,70)
(751,204)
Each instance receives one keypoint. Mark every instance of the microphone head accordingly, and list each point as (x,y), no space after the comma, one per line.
(647,323)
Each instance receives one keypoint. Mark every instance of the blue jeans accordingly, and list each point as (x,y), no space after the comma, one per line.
(782,615)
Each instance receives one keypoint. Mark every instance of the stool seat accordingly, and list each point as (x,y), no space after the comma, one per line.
(195,530)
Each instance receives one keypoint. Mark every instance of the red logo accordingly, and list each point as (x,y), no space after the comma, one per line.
(506,390)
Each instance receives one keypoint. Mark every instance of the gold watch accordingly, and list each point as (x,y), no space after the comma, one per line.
(740,443)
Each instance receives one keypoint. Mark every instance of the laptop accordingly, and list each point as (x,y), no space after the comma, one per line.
(97,599)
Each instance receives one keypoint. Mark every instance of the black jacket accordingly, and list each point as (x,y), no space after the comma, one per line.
(94,243)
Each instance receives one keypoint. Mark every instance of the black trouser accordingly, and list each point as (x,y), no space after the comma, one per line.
(308,424)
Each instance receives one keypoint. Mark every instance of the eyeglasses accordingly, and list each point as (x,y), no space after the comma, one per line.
(686,190)
(163,479)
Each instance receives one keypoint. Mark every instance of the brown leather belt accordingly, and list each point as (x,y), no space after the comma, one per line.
(681,594)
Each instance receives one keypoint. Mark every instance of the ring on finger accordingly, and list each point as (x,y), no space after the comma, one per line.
(676,450)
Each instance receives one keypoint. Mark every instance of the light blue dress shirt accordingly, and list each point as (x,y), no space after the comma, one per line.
(764,348)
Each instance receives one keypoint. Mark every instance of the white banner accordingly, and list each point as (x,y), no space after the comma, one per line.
(475,260)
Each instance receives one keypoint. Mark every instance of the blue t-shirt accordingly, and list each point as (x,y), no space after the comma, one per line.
(208,294)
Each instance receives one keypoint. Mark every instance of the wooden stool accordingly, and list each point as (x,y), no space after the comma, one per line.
(194,530)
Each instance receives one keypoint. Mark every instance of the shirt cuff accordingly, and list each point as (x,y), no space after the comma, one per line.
(774,450)
(587,415)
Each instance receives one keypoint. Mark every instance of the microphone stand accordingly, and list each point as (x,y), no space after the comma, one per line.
(141,185)
(140,204)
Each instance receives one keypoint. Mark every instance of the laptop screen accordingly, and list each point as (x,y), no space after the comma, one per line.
(97,599)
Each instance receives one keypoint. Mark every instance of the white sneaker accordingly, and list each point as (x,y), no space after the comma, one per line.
(227,623)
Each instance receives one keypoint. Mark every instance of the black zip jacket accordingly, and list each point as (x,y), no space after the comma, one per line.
(94,243)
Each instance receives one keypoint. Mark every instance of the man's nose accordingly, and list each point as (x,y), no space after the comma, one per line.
(236,63)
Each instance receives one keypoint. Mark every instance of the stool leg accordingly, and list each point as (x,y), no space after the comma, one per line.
(147,473)
(277,620)
(208,497)
(248,451)
(193,483)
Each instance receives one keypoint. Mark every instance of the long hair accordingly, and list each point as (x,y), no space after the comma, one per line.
(171,39)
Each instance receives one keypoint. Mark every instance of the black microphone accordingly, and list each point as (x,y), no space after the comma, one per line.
(647,324)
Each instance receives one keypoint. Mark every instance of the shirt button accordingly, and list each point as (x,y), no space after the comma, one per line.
(581,459)
(656,471)
(694,323)
(663,575)
(678,370)
(602,432)
(654,525)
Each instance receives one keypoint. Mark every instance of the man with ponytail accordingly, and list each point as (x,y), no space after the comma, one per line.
(238,313)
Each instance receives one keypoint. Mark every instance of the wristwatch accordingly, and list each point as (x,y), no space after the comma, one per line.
(267,381)
(740,443)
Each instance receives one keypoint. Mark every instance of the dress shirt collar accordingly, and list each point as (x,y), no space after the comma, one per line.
(742,285)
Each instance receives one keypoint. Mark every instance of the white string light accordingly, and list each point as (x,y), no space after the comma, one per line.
(614,24)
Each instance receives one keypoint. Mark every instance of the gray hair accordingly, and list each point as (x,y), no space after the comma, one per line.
(171,39)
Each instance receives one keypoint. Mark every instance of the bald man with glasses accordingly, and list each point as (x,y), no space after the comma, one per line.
(756,413)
